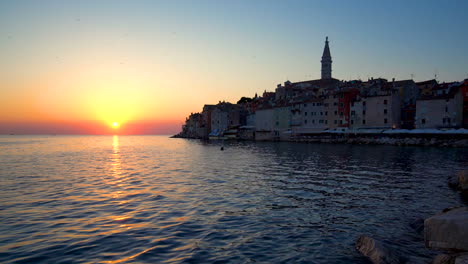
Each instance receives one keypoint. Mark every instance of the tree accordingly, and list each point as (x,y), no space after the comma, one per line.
(244,100)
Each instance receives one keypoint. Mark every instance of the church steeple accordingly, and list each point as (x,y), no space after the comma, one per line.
(326,62)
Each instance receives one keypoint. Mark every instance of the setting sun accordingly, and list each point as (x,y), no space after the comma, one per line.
(115,125)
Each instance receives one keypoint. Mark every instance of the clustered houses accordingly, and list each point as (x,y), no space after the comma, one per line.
(318,106)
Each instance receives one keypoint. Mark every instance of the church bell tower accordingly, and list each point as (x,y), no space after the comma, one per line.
(326,62)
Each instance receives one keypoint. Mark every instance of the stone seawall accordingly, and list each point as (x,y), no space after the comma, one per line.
(397,140)
(435,140)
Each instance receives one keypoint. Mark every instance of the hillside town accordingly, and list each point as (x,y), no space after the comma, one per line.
(302,109)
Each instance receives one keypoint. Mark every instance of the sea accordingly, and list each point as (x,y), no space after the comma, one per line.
(155,199)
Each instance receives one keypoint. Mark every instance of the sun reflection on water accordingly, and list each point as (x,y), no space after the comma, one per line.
(116,164)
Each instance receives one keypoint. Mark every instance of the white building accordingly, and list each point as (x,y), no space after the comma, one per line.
(440,111)
(264,124)
(382,111)
(308,117)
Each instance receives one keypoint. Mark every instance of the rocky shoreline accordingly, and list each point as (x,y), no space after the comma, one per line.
(457,141)
(445,232)
(379,140)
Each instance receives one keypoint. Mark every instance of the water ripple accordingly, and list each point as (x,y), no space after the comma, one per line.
(151,199)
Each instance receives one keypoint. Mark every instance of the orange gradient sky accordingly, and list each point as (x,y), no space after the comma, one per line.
(78,66)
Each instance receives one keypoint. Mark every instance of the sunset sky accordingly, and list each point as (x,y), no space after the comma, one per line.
(78,66)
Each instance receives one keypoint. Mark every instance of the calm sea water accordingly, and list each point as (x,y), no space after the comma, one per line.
(152,199)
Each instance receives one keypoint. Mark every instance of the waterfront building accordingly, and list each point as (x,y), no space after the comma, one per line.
(332,118)
(226,115)
(273,123)
(376,112)
(194,126)
(409,93)
(248,130)
(206,118)
(337,105)
(464,92)
(282,123)
(264,124)
(308,117)
(442,109)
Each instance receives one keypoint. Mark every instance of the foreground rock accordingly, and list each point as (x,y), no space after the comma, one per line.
(447,231)
(463,181)
(461,258)
(376,251)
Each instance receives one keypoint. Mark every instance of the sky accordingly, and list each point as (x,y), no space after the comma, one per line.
(76,67)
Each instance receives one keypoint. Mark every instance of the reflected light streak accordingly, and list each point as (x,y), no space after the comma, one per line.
(116,163)
(130,257)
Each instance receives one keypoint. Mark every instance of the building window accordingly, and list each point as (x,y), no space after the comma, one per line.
(363,121)
(305,105)
(341,122)
(321,113)
(305,113)
(423,121)
(353,112)
(385,111)
(446,109)
(313,104)
(313,121)
(352,122)
(341,113)
(364,103)
(363,112)
(341,104)
(352,103)
(305,122)
(384,102)
(336,121)
(336,112)
(326,121)
(335,103)
(385,121)
(326,113)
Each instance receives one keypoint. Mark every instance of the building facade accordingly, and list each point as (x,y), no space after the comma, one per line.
(376,112)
